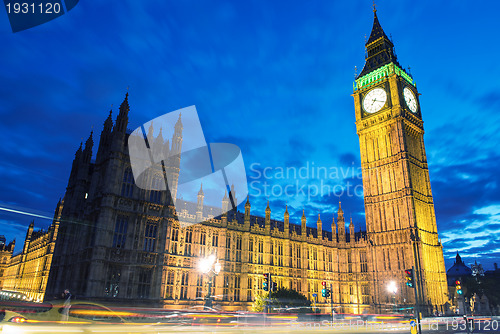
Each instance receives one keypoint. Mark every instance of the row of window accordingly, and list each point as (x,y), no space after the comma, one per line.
(120,234)
(128,186)
(151,231)
(232,291)
(112,285)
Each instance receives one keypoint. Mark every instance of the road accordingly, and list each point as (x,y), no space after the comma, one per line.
(434,327)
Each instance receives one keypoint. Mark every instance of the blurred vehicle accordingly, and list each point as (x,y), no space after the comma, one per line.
(78,313)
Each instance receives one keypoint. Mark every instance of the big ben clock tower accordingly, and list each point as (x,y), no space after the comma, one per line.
(400,219)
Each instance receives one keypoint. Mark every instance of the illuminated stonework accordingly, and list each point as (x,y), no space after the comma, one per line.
(5,255)
(379,75)
(121,244)
(400,219)
(27,272)
(247,246)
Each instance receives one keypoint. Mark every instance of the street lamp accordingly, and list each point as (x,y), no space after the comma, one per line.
(392,288)
(209,266)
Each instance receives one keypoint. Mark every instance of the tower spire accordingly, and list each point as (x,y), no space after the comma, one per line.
(286,221)
(90,140)
(87,152)
(177,136)
(122,118)
(303,225)
(247,209)
(268,218)
(124,107)
(150,131)
(379,48)
(340,212)
(319,227)
(108,123)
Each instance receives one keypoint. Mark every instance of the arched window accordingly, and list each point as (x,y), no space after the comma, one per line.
(150,236)
(155,194)
(184,285)
(128,183)
(170,284)
(120,234)
(144,285)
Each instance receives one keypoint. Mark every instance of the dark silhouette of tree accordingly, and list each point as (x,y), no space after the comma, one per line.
(290,300)
(282,300)
(488,285)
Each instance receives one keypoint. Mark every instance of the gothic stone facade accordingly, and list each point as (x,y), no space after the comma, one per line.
(400,218)
(5,255)
(27,272)
(119,242)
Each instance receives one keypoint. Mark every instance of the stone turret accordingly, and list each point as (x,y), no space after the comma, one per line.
(286,222)
(319,227)
(341,224)
(303,226)
(351,232)
(105,140)
(247,213)
(225,203)
(199,205)
(334,230)
(268,219)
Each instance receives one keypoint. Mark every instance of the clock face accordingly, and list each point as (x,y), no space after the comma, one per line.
(410,99)
(374,100)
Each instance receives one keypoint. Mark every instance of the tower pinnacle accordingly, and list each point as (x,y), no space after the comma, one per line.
(379,48)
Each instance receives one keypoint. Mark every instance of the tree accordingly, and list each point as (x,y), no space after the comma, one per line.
(480,285)
(470,286)
(261,301)
(282,299)
(290,299)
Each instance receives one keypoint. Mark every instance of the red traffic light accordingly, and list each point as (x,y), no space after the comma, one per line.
(323,283)
(457,282)
(408,272)
(266,276)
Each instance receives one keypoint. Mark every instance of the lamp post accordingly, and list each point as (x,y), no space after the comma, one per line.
(209,266)
(392,288)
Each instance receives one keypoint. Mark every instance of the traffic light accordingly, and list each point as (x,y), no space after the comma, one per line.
(410,278)
(265,284)
(458,287)
(274,286)
(325,292)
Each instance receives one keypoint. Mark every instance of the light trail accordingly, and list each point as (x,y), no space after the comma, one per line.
(25,213)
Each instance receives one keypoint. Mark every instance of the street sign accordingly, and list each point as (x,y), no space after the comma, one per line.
(413,326)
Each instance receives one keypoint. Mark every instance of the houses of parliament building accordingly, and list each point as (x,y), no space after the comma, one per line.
(117,242)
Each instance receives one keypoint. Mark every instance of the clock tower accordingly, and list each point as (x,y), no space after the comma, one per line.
(400,220)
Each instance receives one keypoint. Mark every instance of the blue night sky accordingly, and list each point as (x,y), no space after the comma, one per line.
(273,77)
